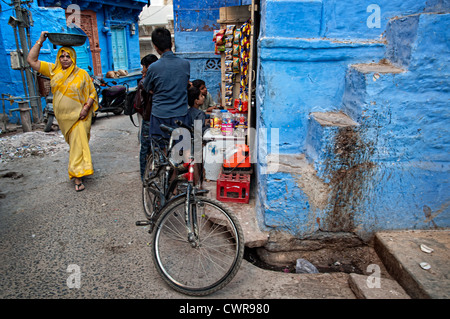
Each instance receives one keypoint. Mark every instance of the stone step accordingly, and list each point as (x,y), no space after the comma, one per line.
(326,132)
(369,87)
(367,287)
(414,41)
(402,255)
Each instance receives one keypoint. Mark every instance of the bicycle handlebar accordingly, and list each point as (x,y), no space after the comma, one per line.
(166,128)
(181,124)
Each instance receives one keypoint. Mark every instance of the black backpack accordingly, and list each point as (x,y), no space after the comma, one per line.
(130,108)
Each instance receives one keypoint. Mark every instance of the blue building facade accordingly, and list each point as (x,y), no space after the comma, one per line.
(352,111)
(112,28)
(366,88)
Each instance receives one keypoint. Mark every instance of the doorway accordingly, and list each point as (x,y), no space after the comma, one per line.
(88,23)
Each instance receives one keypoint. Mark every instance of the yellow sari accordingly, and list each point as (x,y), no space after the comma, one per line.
(72,88)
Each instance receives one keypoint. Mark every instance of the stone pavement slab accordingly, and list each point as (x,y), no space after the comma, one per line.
(402,256)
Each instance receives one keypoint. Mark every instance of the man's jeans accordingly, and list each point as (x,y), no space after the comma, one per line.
(145,145)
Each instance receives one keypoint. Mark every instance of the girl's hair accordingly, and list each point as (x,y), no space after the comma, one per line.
(148,59)
(193,94)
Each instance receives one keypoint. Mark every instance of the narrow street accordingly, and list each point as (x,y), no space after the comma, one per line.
(46,227)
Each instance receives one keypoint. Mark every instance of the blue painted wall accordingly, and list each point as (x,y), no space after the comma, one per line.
(351,110)
(365,147)
(53,19)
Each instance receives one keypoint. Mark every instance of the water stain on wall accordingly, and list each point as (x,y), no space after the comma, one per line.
(350,171)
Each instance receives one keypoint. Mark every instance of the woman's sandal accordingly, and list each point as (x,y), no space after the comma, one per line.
(77,187)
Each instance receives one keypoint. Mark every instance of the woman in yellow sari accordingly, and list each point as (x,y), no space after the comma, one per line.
(74,101)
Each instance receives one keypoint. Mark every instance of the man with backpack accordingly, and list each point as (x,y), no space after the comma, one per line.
(168,79)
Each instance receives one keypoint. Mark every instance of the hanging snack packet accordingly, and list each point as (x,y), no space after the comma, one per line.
(228,66)
(229,78)
(228,101)
(235,65)
(229,42)
(229,89)
(218,38)
(237,36)
(228,54)
(236,50)
(230,29)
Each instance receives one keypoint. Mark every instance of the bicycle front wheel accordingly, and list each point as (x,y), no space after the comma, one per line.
(209,265)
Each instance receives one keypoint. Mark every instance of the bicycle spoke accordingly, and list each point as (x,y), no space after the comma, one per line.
(173,229)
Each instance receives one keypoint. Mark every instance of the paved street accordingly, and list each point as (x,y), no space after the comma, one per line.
(47,227)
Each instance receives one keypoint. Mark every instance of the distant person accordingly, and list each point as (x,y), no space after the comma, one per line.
(168,79)
(143,100)
(209,104)
(74,101)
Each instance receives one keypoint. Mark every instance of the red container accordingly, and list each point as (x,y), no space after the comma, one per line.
(233,187)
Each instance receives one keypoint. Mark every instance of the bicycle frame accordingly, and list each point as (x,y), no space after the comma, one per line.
(168,186)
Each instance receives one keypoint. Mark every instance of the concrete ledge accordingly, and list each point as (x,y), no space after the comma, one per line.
(383,67)
(338,119)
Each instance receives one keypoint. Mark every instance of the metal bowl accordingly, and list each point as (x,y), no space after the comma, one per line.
(67,39)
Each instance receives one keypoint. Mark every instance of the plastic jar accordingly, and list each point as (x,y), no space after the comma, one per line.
(227,123)
(241,124)
(216,122)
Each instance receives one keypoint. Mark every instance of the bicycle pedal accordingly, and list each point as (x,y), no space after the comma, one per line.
(143,223)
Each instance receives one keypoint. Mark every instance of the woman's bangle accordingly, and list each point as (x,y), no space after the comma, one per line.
(39,42)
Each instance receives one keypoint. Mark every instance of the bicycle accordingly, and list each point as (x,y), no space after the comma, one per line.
(198,243)
(155,187)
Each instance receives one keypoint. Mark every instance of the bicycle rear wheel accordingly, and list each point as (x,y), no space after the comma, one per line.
(152,186)
(216,259)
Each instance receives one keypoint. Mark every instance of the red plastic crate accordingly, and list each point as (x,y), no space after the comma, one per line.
(233,187)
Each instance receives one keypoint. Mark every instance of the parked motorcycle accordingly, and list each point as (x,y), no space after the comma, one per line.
(110,98)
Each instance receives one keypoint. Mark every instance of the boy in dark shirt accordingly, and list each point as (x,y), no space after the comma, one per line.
(195,99)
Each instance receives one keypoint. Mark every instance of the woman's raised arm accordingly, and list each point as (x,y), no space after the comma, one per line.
(33,55)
